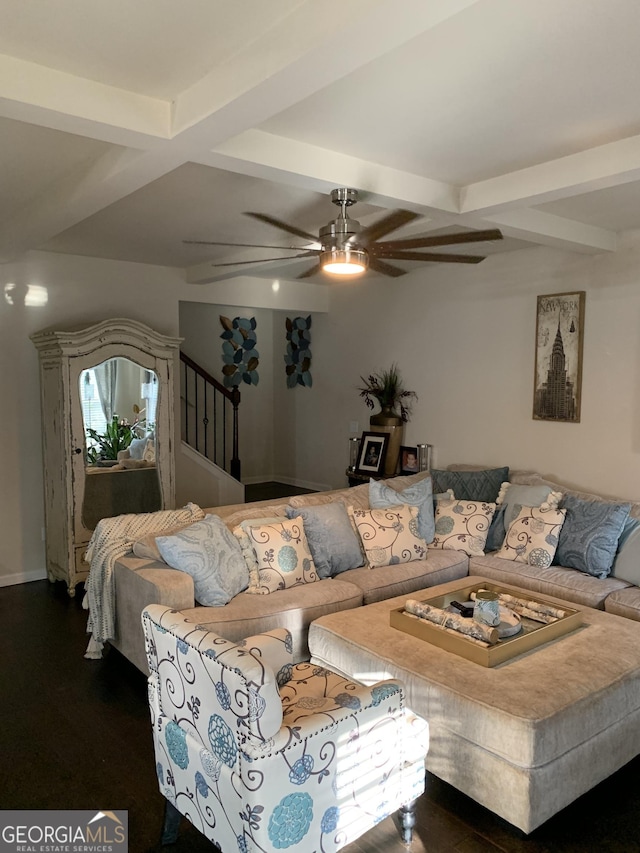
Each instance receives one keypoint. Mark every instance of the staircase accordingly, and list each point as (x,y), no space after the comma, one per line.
(209,416)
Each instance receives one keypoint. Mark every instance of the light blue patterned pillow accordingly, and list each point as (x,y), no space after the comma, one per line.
(211,554)
(471,485)
(590,534)
(333,543)
(418,494)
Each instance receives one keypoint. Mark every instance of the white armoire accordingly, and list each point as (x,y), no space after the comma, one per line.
(77,491)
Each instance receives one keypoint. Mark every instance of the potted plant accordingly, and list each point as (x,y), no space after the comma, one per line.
(386,389)
(105,446)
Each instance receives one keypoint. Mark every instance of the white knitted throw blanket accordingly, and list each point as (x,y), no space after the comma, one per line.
(112,539)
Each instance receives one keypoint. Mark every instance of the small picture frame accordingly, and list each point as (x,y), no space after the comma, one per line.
(371,456)
(409,463)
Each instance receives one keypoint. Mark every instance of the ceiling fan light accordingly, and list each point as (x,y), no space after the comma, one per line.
(344,261)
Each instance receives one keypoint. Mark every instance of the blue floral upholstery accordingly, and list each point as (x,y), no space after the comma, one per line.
(263,755)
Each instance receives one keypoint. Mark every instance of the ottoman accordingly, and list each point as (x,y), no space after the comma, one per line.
(524,738)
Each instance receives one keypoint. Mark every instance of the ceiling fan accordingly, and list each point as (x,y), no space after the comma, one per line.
(344,247)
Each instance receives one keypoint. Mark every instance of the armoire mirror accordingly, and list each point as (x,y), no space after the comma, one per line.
(117,367)
(119,400)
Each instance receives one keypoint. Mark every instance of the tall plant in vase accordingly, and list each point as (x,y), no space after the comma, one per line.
(386,389)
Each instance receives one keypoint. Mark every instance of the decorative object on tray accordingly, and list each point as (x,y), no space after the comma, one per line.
(535,610)
(386,389)
(474,631)
(486,609)
(509,622)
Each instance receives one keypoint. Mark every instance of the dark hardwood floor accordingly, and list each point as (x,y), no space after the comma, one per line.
(75,734)
(271,491)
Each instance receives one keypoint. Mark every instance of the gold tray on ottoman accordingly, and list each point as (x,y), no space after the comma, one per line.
(533,633)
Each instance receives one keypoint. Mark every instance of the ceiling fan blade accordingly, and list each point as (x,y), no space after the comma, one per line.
(438,257)
(312,271)
(243,245)
(385,268)
(277,223)
(390,222)
(310,254)
(444,240)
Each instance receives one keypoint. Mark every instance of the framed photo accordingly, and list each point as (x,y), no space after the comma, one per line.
(558,357)
(373,449)
(409,460)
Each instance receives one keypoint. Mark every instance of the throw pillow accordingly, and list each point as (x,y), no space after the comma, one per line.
(532,536)
(418,494)
(210,553)
(249,555)
(283,555)
(390,536)
(471,485)
(626,565)
(334,545)
(147,548)
(462,525)
(510,500)
(590,534)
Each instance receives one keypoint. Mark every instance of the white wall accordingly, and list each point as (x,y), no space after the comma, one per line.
(462,336)
(71,291)
(464,340)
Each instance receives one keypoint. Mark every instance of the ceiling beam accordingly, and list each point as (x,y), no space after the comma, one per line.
(299,164)
(54,99)
(598,168)
(546,229)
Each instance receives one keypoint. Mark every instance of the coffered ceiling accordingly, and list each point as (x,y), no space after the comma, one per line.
(126,128)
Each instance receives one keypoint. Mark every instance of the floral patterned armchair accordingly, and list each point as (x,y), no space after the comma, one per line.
(262,755)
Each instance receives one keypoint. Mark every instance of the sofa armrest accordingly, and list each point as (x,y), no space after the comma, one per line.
(140,582)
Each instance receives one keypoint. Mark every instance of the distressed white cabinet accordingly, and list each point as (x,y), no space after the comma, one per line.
(76,492)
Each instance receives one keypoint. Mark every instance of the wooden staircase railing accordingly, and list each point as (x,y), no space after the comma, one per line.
(209,416)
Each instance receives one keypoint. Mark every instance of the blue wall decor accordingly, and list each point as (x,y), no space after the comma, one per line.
(239,353)
(298,357)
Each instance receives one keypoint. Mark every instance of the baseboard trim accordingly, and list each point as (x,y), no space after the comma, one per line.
(302,484)
(23,577)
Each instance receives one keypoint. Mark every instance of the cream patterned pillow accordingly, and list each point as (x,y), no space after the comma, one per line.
(390,536)
(283,555)
(532,536)
(249,555)
(462,526)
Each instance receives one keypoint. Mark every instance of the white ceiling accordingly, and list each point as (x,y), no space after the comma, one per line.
(126,128)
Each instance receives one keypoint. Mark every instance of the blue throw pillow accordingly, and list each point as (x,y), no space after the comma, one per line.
(332,540)
(589,536)
(471,485)
(418,494)
(211,554)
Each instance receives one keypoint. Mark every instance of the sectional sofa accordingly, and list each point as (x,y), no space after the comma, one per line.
(142,579)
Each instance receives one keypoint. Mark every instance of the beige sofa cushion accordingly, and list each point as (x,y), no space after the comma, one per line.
(406,578)
(294,609)
(624,602)
(569,584)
